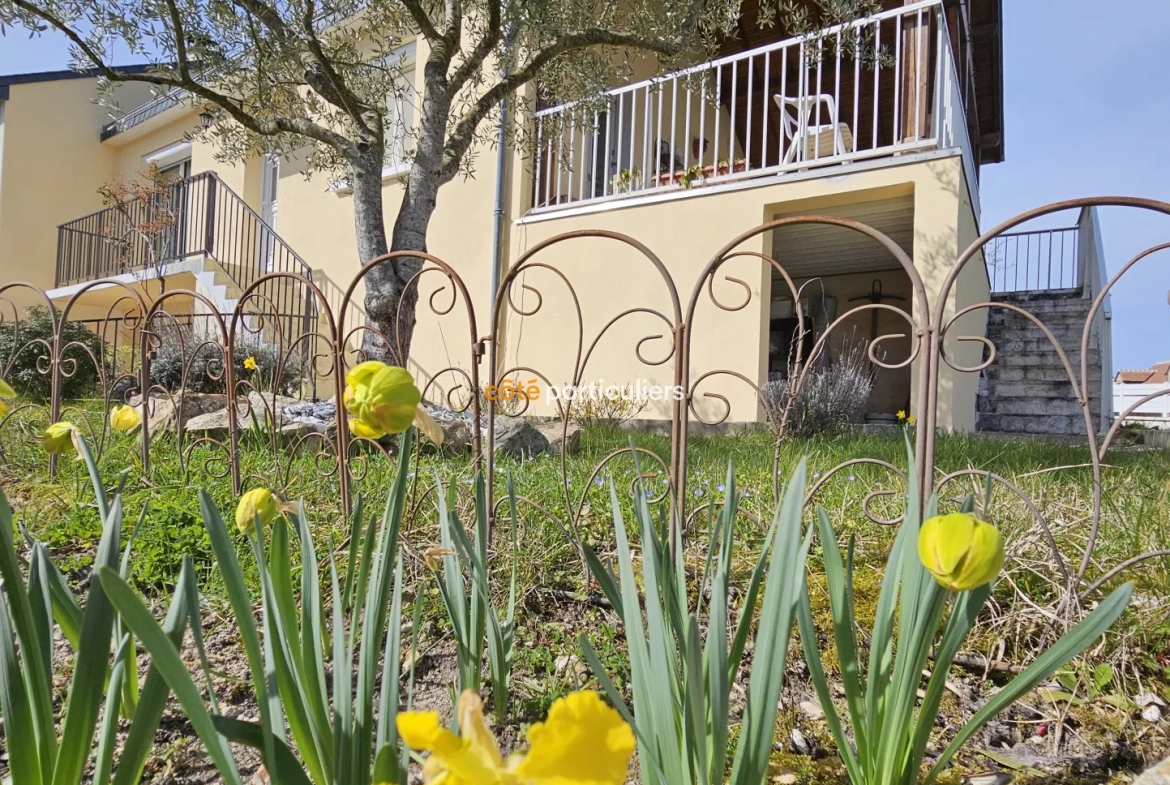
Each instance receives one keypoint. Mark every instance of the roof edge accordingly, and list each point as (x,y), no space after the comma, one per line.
(6,80)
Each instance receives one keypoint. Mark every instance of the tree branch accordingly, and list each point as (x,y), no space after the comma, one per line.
(342,96)
(463,135)
(482,49)
(267,15)
(279,125)
(419,15)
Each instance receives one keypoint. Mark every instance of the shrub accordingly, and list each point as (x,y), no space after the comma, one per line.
(608,408)
(833,395)
(203,361)
(23,343)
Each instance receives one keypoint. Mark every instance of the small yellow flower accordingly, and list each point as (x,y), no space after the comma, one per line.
(58,438)
(901,414)
(582,742)
(256,503)
(5,392)
(961,551)
(383,397)
(124,418)
(250,363)
(911,420)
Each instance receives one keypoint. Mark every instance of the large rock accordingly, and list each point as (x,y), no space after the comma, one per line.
(1158,775)
(163,411)
(561,438)
(262,410)
(456,427)
(519,437)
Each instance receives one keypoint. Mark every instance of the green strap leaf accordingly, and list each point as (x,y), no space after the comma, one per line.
(1076,641)
(165,656)
(91,665)
(283,768)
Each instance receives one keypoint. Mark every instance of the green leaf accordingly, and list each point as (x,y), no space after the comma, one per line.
(241,603)
(87,688)
(283,768)
(107,738)
(1076,641)
(816,671)
(24,760)
(781,593)
(165,656)
(155,691)
(40,691)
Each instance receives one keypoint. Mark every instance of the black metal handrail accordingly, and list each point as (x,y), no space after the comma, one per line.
(200,219)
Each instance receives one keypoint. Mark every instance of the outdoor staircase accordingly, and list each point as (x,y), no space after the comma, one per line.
(1054,275)
(1027,389)
(210,233)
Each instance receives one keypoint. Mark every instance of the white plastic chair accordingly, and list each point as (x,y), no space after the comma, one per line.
(797,120)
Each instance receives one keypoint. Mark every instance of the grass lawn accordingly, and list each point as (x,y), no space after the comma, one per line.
(1135,518)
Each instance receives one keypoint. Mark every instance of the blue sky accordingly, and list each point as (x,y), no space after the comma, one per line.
(1087,110)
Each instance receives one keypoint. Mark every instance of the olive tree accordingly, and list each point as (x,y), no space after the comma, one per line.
(319,78)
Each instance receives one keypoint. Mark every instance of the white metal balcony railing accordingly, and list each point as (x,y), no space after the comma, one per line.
(879,86)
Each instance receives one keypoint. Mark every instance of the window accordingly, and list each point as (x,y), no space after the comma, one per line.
(399,122)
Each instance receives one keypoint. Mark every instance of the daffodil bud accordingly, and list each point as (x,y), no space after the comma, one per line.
(382,397)
(256,503)
(124,418)
(961,551)
(58,438)
(5,392)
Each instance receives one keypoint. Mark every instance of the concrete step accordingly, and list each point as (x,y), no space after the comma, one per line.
(1054,425)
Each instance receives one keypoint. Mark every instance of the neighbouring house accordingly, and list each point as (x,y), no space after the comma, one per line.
(1143,396)
(683,163)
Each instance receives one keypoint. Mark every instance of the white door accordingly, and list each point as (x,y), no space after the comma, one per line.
(269,179)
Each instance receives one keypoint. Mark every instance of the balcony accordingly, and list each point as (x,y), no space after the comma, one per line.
(201,235)
(880,87)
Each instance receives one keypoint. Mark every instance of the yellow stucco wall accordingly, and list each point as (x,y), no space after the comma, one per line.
(685,233)
(52,167)
(683,230)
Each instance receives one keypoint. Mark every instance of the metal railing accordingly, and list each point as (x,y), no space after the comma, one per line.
(143,113)
(200,219)
(1034,261)
(878,86)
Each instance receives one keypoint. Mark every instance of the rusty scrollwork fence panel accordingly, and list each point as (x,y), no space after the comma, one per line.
(278,369)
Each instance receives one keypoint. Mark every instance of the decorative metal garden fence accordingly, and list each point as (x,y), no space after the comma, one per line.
(204,351)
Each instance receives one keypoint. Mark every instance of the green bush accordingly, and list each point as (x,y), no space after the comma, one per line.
(24,346)
(203,361)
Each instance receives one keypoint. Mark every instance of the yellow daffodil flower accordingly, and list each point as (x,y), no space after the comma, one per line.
(961,551)
(582,742)
(124,418)
(383,397)
(901,414)
(58,438)
(256,503)
(250,363)
(911,420)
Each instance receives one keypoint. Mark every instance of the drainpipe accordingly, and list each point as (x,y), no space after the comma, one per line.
(501,163)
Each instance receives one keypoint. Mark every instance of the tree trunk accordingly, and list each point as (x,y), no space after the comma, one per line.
(391,288)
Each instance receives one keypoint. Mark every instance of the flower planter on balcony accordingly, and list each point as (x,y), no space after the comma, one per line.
(707,172)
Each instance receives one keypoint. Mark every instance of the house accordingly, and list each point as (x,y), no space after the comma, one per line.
(1143,396)
(771,127)
(1159,373)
